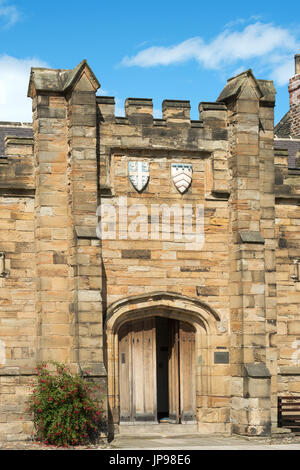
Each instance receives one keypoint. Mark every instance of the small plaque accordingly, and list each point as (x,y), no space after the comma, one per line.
(123,358)
(221,357)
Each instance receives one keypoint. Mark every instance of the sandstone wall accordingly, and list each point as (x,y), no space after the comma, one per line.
(137,264)
(59,279)
(18,322)
(287,274)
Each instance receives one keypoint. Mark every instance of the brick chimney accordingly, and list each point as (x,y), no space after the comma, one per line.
(294,91)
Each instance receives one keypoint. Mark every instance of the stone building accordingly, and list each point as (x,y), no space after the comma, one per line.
(162,255)
(287,131)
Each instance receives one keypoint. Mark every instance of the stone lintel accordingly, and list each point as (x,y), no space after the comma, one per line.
(251,237)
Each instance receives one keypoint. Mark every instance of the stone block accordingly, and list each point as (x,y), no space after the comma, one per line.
(293,327)
(258,387)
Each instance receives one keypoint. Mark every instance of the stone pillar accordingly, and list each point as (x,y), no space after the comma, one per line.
(267,229)
(53,219)
(84,178)
(251,403)
(68,251)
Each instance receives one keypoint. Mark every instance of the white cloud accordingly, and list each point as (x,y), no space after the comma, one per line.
(239,21)
(14,79)
(256,42)
(282,73)
(103,92)
(9,14)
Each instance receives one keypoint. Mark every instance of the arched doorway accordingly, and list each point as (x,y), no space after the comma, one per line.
(139,316)
(157,371)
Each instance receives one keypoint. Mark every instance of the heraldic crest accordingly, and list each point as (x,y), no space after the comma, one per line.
(138,173)
(182,175)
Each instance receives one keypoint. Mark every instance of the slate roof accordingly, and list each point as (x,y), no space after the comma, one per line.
(283,139)
(291,145)
(283,128)
(14,129)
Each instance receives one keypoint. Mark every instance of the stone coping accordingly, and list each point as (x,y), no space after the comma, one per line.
(251,237)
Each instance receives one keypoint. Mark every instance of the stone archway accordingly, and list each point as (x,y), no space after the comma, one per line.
(198,317)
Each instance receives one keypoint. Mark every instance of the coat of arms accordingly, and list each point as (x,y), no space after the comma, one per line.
(138,174)
(182,175)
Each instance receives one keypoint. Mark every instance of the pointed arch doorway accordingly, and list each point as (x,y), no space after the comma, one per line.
(142,317)
(157,371)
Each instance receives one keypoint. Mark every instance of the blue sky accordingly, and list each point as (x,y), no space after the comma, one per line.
(165,49)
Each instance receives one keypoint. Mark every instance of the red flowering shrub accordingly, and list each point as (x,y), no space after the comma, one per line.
(65,408)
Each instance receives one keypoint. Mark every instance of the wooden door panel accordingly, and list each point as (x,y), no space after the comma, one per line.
(187,372)
(149,366)
(137,371)
(125,373)
(173,371)
(137,375)
(138,368)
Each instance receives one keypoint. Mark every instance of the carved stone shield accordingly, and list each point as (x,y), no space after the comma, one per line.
(182,175)
(138,173)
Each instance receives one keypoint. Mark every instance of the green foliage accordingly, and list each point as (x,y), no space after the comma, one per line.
(65,408)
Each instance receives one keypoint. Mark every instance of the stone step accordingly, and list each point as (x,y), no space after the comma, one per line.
(156,428)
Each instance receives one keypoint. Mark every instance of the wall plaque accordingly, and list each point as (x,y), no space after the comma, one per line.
(221,357)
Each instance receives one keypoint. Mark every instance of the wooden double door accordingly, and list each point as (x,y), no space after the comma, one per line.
(157,371)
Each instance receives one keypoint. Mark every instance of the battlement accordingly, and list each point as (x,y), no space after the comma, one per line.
(140,111)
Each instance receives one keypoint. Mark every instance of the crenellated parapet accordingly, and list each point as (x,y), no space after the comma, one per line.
(139,111)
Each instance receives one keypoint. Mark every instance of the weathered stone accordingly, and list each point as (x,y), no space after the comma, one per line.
(232,294)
